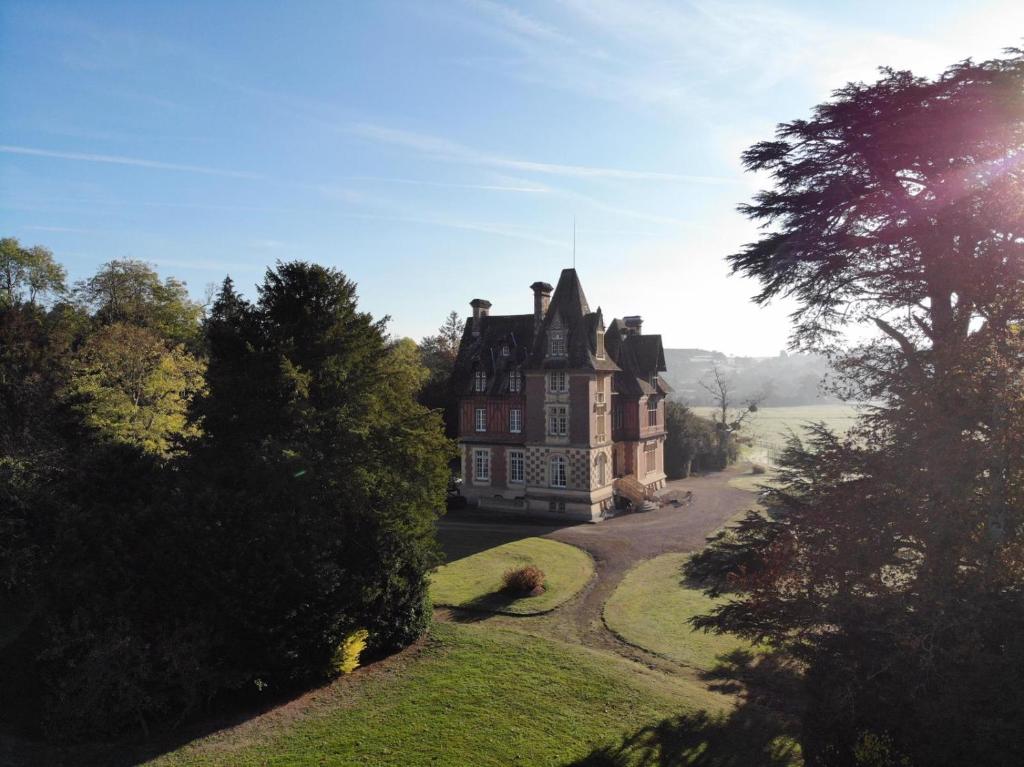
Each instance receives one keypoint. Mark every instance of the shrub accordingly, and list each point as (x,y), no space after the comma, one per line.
(758,468)
(528,579)
(346,657)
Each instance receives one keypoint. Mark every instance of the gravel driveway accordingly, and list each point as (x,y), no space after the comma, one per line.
(617,545)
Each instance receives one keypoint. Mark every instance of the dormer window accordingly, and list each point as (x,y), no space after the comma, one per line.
(515,382)
(480,381)
(504,350)
(654,381)
(556,343)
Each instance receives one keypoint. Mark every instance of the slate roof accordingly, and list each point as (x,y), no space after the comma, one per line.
(569,306)
(484,352)
(633,358)
(640,357)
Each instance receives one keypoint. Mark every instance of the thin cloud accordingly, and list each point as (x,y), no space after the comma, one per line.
(501,230)
(444,149)
(484,187)
(132,161)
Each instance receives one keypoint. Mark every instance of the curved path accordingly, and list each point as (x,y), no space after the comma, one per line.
(617,545)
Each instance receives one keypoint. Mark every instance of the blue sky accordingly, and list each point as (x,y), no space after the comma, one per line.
(437,151)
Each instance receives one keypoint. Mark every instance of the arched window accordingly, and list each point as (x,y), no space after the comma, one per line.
(558,471)
(602,470)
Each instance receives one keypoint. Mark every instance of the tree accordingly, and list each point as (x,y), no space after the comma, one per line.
(131,291)
(890,561)
(132,388)
(439,353)
(318,479)
(28,274)
(440,350)
(691,442)
(730,418)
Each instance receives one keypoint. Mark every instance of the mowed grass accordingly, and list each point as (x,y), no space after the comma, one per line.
(651,609)
(475,581)
(775,423)
(474,696)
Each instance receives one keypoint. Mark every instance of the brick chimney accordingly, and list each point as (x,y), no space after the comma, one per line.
(541,299)
(633,325)
(481,307)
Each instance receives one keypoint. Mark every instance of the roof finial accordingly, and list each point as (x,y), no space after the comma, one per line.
(574,242)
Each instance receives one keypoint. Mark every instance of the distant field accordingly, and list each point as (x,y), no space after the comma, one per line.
(770,426)
(776,422)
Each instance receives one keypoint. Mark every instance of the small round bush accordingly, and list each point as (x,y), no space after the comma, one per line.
(526,581)
(758,468)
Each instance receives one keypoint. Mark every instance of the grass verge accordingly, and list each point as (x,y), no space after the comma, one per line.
(651,609)
(475,581)
(483,696)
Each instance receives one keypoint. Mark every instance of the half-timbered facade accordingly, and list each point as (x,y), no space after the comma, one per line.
(555,405)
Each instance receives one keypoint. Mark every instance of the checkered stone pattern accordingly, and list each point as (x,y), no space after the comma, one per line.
(579,466)
(579,471)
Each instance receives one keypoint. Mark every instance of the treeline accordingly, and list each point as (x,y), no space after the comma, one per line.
(200,504)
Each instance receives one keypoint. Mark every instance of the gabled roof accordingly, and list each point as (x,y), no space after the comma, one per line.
(570,309)
(484,352)
(640,358)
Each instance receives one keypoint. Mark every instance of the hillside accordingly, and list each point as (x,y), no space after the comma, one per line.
(785,380)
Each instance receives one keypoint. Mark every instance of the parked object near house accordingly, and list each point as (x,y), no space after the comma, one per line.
(555,406)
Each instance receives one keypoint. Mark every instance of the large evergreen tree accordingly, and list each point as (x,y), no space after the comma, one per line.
(891,561)
(319,477)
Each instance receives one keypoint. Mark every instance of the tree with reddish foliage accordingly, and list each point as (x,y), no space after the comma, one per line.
(891,560)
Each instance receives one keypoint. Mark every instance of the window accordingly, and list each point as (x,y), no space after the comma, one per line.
(515,382)
(652,412)
(515,420)
(651,456)
(654,381)
(558,381)
(601,433)
(481,419)
(481,465)
(516,465)
(556,343)
(480,381)
(602,470)
(558,421)
(558,471)
(504,350)
(599,397)
(556,506)
(600,345)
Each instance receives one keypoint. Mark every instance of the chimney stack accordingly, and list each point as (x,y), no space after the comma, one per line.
(633,325)
(541,299)
(480,309)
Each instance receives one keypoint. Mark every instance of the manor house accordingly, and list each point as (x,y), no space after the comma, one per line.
(558,413)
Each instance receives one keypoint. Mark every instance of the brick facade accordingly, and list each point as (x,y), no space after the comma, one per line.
(596,426)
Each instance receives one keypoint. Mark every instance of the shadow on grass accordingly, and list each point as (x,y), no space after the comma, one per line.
(465,532)
(744,738)
(483,607)
(762,730)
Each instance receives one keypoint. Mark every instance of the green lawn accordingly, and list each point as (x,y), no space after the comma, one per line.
(775,422)
(475,581)
(770,426)
(650,609)
(484,696)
